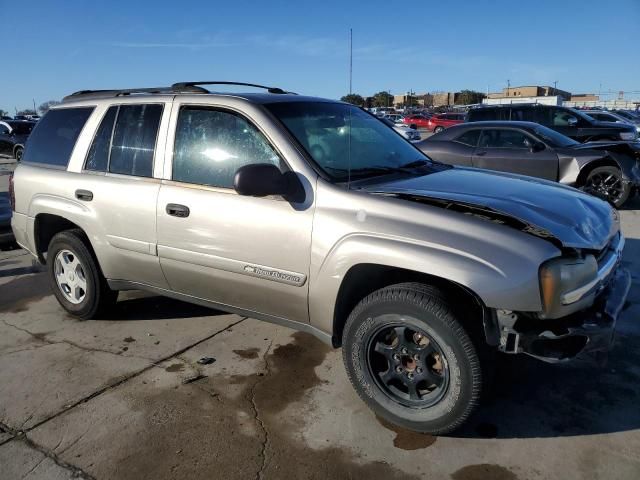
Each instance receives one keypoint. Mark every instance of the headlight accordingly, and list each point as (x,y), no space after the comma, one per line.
(628,135)
(562,281)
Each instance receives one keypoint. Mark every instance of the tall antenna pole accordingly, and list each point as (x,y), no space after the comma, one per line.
(350,61)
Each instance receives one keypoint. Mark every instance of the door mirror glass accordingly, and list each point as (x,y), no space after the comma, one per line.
(537,147)
(260,180)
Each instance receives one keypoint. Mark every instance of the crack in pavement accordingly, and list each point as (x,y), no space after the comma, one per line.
(42,338)
(256,413)
(76,471)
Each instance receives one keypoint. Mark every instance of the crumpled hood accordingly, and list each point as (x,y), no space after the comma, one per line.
(575,219)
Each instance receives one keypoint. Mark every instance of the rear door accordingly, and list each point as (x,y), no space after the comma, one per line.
(248,253)
(117,184)
(509,150)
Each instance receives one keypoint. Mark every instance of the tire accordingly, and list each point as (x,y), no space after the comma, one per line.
(438,129)
(423,312)
(76,279)
(607,183)
(17,154)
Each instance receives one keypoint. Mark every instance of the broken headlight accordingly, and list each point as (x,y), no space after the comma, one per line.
(564,282)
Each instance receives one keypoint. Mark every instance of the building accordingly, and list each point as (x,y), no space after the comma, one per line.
(552,100)
(585,97)
(530,91)
(443,99)
(414,99)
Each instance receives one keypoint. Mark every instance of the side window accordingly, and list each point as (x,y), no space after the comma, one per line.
(55,135)
(469,138)
(211,145)
(4,130)
(495,138)
(562,118)
(134,140)
(98,156)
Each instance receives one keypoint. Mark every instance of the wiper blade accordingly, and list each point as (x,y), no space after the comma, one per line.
(414,164)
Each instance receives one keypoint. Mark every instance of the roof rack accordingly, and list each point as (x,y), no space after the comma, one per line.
(276,90)
(181,87)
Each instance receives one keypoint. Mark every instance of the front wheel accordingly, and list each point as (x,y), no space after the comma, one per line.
(17,154)
(438,129)
(410,359)
(607,183)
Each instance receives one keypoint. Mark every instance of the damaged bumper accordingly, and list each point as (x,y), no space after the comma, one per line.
(587,331)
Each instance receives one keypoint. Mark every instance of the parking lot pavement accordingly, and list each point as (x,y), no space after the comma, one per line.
(125,397)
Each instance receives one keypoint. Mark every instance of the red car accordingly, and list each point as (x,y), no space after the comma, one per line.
(420,121)
(439,122)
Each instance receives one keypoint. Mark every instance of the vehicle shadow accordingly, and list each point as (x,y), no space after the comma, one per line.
(135,305)
(528,398)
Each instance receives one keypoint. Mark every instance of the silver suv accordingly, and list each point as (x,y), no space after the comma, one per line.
(313,214)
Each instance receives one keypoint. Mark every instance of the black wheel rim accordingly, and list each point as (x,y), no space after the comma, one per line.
(407,364)
(19,154)
(606,185)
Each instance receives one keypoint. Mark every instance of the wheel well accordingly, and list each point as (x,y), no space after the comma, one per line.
(363,279)
(603,162)
(16,147)
(46,226)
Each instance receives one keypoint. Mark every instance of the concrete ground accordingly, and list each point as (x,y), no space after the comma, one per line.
(125,398)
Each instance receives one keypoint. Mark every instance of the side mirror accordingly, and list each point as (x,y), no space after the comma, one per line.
(537,147)
(260,180)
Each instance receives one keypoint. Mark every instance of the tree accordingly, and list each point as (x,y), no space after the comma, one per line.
(468,97)
(383,99)
(44,108)
(353,98)
(26,111)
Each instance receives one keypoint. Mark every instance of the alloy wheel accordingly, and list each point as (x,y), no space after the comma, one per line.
(70,276)
(606,185)
(408,365)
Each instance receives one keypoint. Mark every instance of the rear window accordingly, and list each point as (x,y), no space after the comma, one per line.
(54,137)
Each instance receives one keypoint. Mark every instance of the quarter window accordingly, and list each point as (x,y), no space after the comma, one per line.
(562,118)
(211,145)
(134,140)
(55,135)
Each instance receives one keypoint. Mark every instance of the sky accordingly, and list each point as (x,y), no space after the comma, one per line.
(51,49)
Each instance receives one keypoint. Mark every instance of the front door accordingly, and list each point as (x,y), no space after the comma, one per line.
(509,150)
(245,252)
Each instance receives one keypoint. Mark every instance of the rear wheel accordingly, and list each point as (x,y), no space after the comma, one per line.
(438,129)
(75,277)
(607,183)
(410,359)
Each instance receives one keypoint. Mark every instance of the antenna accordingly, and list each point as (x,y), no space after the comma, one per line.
(350,61)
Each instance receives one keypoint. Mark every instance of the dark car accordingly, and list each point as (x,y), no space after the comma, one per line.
(13,135)
(609,170)
(6,234)
(567,121)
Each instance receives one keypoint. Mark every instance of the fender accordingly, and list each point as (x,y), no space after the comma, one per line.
(501,278)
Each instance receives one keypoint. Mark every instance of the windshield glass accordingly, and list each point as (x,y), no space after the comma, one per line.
(554,138)
(344,141)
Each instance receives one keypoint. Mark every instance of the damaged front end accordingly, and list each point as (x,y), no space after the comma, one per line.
(590,330)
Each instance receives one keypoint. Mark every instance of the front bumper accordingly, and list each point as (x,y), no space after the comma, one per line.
(587,331)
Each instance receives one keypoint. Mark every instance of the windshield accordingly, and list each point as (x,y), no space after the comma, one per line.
(554,138)
(346,142)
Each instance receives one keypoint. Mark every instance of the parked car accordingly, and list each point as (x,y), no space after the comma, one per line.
(603,116)
(394,117)
(407,132)
(567,121)
(609,170)
(439,122)
(13,136)
(311,213)
(417,120)
(633,116)
(6,235)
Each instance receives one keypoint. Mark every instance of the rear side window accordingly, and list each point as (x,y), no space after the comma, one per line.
(482,114)
(55,135)
(469,138)
(98,156)
(134,140)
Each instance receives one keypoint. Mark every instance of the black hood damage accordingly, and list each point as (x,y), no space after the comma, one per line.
(562,215)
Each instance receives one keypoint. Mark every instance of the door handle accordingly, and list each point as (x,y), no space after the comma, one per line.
(177,210)
(84,195)
(480,154)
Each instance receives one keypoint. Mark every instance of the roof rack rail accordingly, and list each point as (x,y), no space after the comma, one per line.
(84,94)
(276,90)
